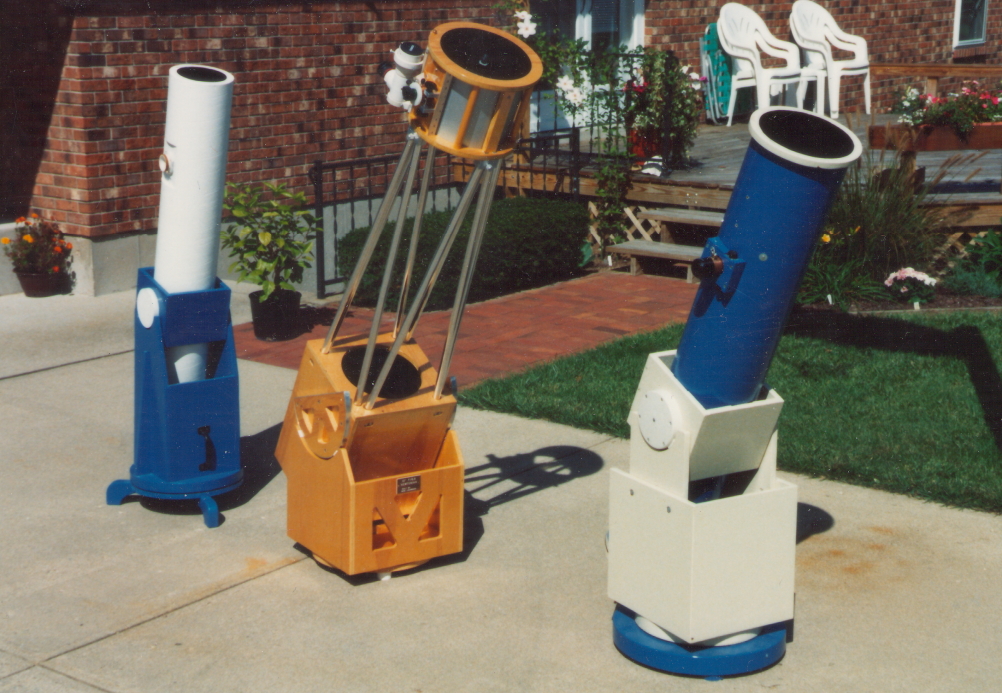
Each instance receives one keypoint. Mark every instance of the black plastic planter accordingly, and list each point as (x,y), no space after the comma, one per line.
(276,318)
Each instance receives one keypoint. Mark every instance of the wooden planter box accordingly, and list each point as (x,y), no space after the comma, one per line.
(926,138)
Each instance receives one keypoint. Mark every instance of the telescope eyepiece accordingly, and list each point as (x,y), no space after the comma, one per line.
(411,48)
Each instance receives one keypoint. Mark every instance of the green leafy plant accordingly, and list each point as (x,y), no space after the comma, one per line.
(839,283)
(968,279)
(980,272)
(890,226)
(876,225)
(613,180)
(269,237)
(38,247)
(986,251)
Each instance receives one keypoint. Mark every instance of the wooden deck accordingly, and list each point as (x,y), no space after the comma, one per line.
(970,184)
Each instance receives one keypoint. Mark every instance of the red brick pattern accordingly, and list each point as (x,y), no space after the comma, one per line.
(83,89)
(508,334)
(306,89)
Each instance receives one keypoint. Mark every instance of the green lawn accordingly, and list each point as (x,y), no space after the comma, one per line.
(909,404)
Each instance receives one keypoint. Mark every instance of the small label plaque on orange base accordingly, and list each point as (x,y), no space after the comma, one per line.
(371,490)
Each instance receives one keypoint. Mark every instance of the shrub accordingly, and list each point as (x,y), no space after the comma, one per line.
(972,280)
(894,230)
(528,243)
(875,226)
(980,273)
(841,283)
(269,238)
(986,252)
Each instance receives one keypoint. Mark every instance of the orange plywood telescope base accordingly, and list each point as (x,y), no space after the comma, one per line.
(371,489)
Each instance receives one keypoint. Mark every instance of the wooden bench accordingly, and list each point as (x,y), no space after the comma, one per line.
(676,215)
(682,254)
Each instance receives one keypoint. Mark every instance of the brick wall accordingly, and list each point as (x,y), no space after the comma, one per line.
(913,31)
(84,90)
(305,89)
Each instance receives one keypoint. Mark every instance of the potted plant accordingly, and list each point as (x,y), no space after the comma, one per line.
(270,239)
(40,255)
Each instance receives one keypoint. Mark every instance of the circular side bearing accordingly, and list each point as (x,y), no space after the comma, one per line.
(654,414)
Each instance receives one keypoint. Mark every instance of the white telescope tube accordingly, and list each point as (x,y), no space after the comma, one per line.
(193,167)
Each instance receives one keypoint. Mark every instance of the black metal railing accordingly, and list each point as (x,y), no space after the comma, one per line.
(351,191)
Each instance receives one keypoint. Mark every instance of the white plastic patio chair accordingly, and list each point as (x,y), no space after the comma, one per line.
(745,37)
(816,32)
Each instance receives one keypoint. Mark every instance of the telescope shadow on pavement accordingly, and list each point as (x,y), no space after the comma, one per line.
(812,520)
(965,343)
(504,479)
(257,458)
(512,477)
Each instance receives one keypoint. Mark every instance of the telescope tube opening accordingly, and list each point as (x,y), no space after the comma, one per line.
(803,138)
(403,380)
(200,73)
(486,54)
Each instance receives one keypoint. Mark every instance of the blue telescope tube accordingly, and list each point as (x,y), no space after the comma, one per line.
(751,271)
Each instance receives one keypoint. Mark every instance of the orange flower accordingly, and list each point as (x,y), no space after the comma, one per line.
(55,268)
(28,238)
(57,249)
(33,215)
(19,220)
(69,246)
(4,240)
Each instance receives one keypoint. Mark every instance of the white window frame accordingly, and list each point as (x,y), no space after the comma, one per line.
(631,33)
(631,22)
(957,43)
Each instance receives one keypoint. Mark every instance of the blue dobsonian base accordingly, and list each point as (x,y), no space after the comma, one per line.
(187,435)
(711,663)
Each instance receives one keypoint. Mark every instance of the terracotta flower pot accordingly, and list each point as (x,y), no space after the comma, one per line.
(278,317)
(42,284)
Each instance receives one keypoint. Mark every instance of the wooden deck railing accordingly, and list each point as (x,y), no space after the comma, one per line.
(933,72)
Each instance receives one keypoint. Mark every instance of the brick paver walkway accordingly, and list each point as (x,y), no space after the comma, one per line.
(508,334)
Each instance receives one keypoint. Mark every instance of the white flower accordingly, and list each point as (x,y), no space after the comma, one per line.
(575,96)
(565,83)
(694,81)
(909,273)
(526,29)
